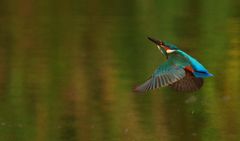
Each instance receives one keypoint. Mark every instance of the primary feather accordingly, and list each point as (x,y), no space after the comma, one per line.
(167,73)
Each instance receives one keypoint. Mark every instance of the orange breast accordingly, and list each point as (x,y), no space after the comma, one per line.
(189,68)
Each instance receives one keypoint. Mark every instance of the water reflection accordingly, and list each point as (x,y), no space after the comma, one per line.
(67,70)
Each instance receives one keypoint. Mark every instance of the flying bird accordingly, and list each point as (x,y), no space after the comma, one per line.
(180,72)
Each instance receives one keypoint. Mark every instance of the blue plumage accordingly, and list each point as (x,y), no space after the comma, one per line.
(181,71)
(199,69)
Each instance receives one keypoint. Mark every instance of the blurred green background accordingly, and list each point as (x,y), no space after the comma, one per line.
(67,69)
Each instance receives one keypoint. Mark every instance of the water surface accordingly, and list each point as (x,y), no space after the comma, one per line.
(67,70)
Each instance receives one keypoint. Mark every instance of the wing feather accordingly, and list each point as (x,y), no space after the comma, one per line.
(188,84)
(168,73)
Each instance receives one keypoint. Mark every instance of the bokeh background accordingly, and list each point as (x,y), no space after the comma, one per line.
(67,69)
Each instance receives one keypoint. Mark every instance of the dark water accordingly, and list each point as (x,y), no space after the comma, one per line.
(67,69)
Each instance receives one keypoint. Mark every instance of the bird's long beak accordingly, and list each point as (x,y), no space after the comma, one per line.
(157,42)
(160,45)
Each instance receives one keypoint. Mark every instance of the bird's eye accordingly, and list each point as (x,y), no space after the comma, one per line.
(161,43)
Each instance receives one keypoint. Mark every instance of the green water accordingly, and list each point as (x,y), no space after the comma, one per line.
(67,69)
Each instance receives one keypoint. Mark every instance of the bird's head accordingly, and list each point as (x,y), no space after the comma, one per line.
(165,47)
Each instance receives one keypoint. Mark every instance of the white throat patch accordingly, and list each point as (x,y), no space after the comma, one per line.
(170,51)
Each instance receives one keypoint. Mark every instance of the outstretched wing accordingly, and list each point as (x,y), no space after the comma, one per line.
(167,73)
(188,84)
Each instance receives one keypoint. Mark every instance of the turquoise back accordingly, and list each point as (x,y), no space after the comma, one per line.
(200,70)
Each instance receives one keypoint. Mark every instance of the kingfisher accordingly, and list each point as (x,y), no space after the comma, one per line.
(180,72)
